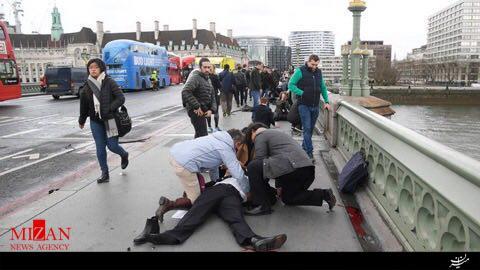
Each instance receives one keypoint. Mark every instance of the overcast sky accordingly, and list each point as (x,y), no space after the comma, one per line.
(401,23)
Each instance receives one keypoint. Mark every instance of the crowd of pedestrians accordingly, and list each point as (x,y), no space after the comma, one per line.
(240,163)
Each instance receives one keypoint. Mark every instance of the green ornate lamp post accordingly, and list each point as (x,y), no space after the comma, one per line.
(354,78)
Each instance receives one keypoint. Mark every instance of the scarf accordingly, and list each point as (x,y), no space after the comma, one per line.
(110,124)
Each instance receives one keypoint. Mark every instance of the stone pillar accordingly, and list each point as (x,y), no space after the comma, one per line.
(345,77)
(30,74)
(365,87)
(356,90)
(100,35)
(37,73)
(157,32)
(212,28)
(139,31)
(230,34)
(194,29)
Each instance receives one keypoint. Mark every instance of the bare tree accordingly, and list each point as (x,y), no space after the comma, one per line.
(385,74)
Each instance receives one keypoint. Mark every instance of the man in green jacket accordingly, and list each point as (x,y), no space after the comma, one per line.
(307,83)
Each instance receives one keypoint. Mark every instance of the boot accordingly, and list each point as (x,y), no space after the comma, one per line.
(124,162)
(162,239)
(166,205)
(151,227)
(105,178)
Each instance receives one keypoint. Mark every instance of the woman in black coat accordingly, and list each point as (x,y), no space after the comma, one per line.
(100,97)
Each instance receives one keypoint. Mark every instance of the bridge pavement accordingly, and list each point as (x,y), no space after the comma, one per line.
(107,217)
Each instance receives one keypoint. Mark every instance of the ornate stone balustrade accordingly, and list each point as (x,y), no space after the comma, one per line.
(428,193)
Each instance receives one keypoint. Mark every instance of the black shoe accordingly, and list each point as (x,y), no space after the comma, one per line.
(257,211)
(124,162)
(263,244)
(331,200)
(151,226)
(161,239)
(105,178)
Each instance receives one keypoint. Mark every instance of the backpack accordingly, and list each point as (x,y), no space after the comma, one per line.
(293,115)
(240,79)
(354,174)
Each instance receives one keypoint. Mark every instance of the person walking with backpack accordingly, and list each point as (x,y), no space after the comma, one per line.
(199,97)
(228,85)
(307,83)
(100,97)
(241,85)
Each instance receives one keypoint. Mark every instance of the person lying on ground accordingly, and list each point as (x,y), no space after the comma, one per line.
(192,157)
(225,200)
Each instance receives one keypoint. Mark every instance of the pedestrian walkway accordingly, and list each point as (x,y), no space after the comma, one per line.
(107,217)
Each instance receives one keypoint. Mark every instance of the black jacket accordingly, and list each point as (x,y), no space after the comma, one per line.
(111,98)
(255,80)
(264,114)
(198,93)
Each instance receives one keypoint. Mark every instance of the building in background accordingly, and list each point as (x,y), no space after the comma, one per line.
(380,54)
(36,52)
(453,45)
(413,70)
(332,69)
(305,43)
(269,50)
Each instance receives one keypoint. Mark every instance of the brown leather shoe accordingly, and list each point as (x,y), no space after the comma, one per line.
(166,205)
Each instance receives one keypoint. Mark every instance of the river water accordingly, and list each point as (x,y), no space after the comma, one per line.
(455,126)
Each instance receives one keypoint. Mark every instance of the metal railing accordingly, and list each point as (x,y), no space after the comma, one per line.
(428,193)
(31,88)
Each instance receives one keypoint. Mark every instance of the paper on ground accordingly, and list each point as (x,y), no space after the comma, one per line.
(179,214)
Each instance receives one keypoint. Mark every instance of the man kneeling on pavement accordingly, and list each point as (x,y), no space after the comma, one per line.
(223,198)
(278,156)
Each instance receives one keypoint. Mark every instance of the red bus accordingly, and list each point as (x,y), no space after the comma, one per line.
(175,68)
(9,80)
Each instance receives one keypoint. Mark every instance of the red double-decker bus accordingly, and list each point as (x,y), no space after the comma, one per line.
(9,80)
(175,68)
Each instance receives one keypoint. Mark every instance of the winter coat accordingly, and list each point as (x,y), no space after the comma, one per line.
(198,93)
(280,153)
(228,81)
(111,98)
(255,80)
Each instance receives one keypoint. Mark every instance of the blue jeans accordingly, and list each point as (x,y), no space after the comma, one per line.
(256,100)
(309,116)
(101,142)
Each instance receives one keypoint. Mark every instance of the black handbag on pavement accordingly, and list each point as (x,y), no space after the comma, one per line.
(123,120)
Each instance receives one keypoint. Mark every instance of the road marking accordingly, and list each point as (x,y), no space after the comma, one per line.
(179,135)
(79,147)
(10,119)
(21,133)
(31,157)
(28,120)
(157,117)
(19,153)
(36,162)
